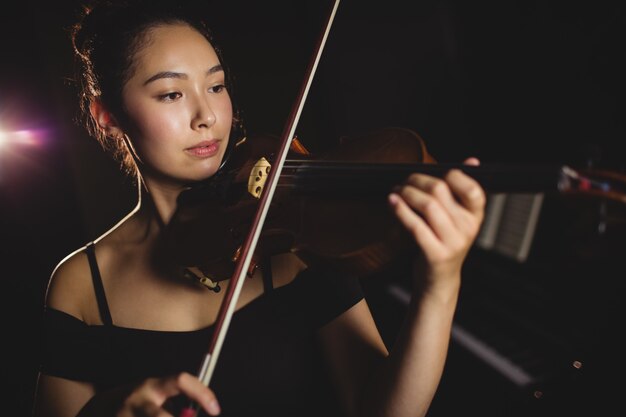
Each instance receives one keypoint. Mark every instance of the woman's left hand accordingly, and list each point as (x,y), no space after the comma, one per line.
(444,217)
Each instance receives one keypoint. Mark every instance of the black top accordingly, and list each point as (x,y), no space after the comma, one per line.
(269,363)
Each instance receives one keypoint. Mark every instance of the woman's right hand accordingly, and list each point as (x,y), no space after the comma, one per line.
(153,397)
(149,398)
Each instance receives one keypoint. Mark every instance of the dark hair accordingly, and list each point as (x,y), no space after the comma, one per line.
(105,41)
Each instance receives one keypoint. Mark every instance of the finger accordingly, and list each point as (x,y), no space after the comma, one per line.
(144,400)
(467,191)
(472,161)
(472,202)
(197,391)
(188,385)
(416,225)
(478,196)
(433,198)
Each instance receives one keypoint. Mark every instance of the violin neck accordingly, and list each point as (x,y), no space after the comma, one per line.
(354,178)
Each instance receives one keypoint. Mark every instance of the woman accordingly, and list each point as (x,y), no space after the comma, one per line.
(125,332)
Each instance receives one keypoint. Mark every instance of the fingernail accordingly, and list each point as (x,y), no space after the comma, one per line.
(214,408)
(393,199)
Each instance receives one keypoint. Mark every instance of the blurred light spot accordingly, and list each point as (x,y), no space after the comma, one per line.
(21,154)
(26,137)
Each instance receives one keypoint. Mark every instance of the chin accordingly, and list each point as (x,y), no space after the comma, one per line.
(205,175)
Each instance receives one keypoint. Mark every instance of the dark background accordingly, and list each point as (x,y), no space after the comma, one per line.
(507,81)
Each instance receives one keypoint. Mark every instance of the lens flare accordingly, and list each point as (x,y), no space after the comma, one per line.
(25,137)
(21,153)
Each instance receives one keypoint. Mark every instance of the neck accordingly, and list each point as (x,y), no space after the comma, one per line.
(158,200)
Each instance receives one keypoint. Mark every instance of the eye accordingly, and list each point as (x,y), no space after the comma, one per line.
(217,88)
(174,95)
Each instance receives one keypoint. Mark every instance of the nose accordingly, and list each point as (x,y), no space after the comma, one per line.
(204,116)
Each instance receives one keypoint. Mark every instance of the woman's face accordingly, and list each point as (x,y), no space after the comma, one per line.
(178,107)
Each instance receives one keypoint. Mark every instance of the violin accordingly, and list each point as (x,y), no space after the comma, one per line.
(332,208)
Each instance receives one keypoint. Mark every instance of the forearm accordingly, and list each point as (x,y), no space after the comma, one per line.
(60,397)
(406,381)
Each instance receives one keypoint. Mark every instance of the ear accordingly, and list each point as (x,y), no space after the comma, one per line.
(105,119)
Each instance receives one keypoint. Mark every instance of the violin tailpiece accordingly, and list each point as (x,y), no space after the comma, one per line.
(197,275)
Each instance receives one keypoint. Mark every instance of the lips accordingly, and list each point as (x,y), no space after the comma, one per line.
(204,149)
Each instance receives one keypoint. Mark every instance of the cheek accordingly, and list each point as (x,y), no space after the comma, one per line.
(225,107)
(157,127)
(227,116)
(165,126)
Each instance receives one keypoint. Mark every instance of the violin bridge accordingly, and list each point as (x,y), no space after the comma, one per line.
(258,176)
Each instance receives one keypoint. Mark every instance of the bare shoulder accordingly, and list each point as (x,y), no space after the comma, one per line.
(70,283)
(71,287)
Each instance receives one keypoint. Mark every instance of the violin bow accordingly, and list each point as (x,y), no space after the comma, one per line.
(244,259)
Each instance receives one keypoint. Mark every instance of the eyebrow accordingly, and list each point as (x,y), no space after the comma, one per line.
(180,75)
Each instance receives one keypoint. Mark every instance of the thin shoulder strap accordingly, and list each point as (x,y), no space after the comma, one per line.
(268,282)
(103,306)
